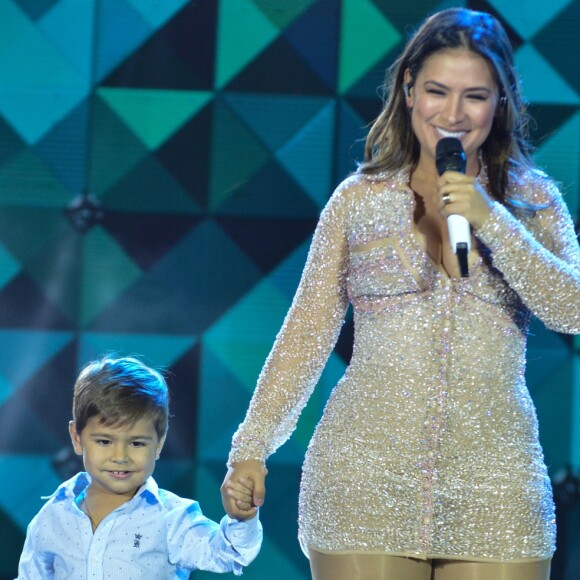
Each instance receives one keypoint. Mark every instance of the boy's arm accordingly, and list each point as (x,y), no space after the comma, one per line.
(198,543)
(32,563)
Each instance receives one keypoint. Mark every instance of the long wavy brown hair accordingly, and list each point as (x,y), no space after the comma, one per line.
(391,143)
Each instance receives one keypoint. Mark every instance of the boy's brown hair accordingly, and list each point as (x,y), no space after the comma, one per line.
(120,391)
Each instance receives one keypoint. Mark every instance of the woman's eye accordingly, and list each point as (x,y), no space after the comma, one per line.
(478,97)
(435,92)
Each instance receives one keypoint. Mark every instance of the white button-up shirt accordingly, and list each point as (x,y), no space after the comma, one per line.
(156,534)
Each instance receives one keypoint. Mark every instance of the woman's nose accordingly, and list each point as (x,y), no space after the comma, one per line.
(453,110)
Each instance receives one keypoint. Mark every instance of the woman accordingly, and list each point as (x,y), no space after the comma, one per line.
(426,462)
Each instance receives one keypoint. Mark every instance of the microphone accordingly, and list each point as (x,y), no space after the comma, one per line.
(449,156)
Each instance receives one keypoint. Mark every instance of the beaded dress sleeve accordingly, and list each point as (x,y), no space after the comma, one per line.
(304,343)
(539,259)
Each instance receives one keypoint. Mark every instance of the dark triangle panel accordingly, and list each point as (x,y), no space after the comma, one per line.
(149,187)
(24,305)
(407,17)
(35,9)
(145,237)
(270,192)
(64,148)
(187,155)
(10,145)
(279,69)
(558,43)
(185,292)
(548,119)
(183,382)
(267,240)
(49,390)
(9,557)
(315,36)
(351,132)
(180,55)
(484,6)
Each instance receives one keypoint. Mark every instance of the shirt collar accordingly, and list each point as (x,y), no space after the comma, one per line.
(77,485)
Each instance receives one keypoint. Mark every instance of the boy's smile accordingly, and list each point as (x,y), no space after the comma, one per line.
(118,458)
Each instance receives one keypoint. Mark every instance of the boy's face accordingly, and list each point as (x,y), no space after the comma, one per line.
(118,458)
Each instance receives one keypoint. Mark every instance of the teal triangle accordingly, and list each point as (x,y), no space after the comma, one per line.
(75,43)
(536,15)
(31,69)
(219,389)
(231,163)
(154,115)
(107,273)
(238,47)
(308,155)
(287,274)
(138,191)
(121,29)
(9,266)
(366,37)
(27,181)
(542,83)
(157,13)
(559,154)
(24,352)
(242,337)
(575,435)
(275,118)
(160,351)
(31,476)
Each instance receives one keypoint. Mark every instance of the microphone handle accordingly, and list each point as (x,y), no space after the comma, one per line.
(459,231)
(460,240)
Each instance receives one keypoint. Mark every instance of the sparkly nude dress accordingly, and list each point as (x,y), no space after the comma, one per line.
(428,446)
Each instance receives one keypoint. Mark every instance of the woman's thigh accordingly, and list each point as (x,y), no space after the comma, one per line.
(367,567)
(456,570)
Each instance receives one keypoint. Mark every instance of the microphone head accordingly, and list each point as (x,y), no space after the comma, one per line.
(449,155)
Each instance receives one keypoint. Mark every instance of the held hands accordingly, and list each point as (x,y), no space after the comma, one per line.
(463,195)
(243,489)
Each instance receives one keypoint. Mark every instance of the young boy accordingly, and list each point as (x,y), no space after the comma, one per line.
(112,521)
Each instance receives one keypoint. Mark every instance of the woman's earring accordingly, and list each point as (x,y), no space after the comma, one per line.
(406,90)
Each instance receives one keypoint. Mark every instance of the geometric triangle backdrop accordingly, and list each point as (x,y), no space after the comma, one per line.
(205,137)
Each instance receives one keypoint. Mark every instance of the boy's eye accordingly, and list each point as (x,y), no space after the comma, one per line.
(138,444)
(103,442)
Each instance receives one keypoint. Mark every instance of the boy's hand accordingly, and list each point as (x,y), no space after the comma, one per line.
(243,489)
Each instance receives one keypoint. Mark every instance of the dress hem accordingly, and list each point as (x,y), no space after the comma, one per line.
(434,556)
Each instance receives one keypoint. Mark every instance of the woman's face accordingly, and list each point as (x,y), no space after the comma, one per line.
(453,95)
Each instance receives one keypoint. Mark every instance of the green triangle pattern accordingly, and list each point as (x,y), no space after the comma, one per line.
(107,272)
(26,180)
(167,349)
(245,356)
(240,44)
(236,155)
(45,345)
(358,53)
(31,477)
(541,82)
(534,17)
(282,14)
(157,13)
(9,266)
(154,115)
(560,152)
(575,434)
(308,155)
